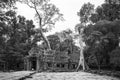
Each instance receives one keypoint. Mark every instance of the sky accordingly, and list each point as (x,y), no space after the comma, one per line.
(68,8)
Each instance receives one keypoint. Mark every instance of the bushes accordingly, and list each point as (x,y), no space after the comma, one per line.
(115,58)
(114,61)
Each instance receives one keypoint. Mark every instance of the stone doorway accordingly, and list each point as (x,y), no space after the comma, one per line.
(33,64)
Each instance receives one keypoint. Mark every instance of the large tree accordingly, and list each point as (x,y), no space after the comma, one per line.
(85,13)
(102,38)
(82,46)
(109,10)
(17,35)
(47,14)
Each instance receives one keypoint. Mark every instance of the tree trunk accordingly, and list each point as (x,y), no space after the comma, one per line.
(41,32)
(82,62)
(98,62)
(40,23)
(46,40)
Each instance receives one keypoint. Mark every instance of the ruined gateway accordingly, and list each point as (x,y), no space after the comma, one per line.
(51,60)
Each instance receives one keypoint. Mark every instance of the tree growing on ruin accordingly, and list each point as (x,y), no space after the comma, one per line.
(47,15)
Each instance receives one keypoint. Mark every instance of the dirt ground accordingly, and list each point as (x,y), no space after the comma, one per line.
(13,75)
(53,76)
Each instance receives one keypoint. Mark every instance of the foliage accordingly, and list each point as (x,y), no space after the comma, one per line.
(85,12)
(100,30)
(61,41)
(109,10)
(54,41)
(17,36)
(102,38)
(47,15)
(115,57)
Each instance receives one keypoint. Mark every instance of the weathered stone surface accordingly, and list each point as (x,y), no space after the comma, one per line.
(53,76)
(13,75)
(69,76)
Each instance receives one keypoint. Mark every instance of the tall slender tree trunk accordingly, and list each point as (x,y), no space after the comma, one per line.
(98,62)
(82,61)
(41,32)
(45,39)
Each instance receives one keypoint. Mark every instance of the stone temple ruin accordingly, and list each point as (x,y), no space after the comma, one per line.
(51,60)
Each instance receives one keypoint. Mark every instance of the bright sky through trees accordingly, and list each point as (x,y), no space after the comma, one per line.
(68,7)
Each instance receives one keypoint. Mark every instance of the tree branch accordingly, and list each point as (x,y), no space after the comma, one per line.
(29,5)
